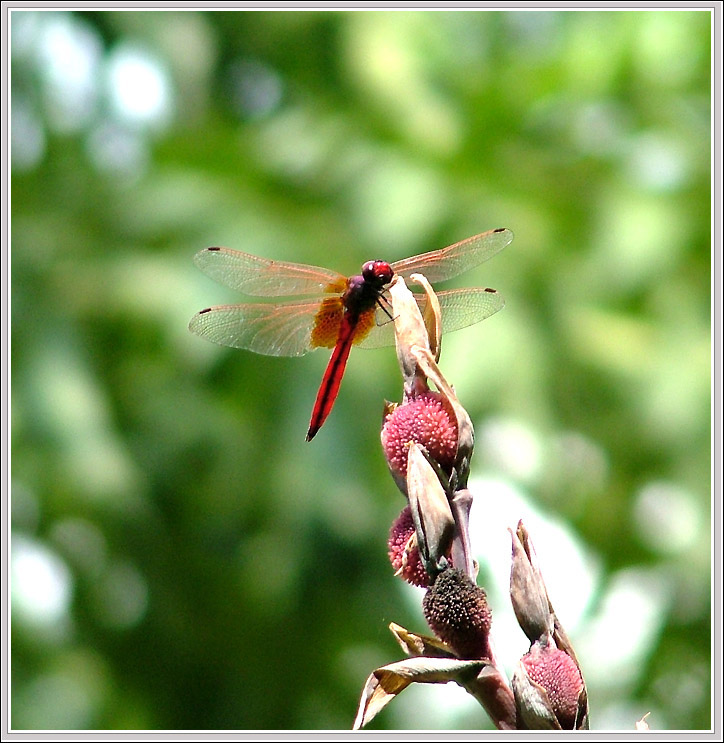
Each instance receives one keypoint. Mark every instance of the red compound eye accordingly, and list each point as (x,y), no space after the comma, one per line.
(377,272)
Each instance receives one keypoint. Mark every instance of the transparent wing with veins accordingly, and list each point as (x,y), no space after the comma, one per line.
(285,329)
(460,308)
(262,277)
(446,263)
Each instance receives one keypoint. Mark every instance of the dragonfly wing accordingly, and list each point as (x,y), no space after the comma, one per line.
(460,308)
(261,277)
(464,307)
(443,264)
(283,329)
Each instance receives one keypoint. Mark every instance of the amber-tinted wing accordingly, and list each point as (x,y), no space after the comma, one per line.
(283,329)
(262,277)
(444,264)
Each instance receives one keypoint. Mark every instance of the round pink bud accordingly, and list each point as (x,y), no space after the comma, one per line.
(426,419)
(457,611)
(558,674)
(405,559)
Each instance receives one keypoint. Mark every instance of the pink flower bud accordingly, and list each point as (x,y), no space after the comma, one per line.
(557,673)
(426,419)
(404,554)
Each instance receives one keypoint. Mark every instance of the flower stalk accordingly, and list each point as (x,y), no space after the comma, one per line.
(428,440)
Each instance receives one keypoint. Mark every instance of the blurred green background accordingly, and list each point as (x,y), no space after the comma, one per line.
(181,557)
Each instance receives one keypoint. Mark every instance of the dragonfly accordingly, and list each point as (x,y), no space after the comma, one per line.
(332,310)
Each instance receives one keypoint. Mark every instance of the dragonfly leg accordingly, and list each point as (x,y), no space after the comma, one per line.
(386,306)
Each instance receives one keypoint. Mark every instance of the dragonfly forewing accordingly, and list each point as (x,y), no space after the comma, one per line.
(262,277)
(446,263)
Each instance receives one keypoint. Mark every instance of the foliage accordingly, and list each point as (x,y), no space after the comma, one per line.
(182,558)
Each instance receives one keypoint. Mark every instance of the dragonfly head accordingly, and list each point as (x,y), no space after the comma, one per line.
(378,273)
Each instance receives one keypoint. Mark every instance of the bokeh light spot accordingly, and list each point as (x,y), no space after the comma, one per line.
(139,87)
(121,596)
(42,585)
(627,624)
(667,518)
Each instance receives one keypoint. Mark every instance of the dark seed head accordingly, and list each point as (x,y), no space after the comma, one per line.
(458,613)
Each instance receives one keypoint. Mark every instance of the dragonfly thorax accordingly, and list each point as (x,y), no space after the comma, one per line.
(363,291)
